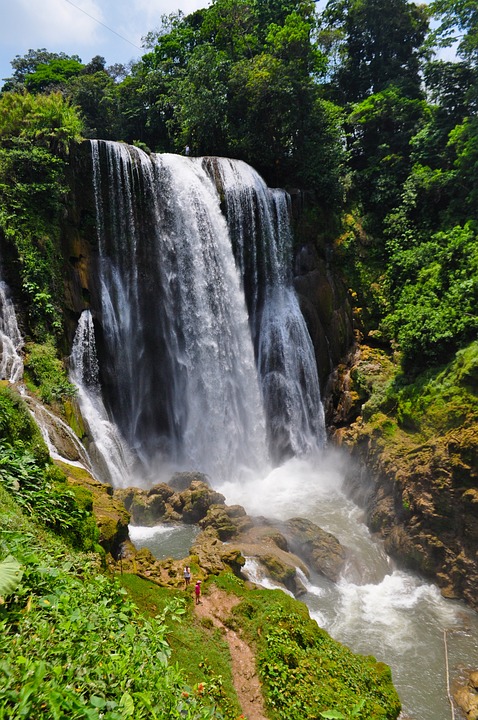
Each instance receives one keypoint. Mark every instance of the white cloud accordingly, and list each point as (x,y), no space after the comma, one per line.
(94,27)
(28,22)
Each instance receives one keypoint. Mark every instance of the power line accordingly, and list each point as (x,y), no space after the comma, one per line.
(101,23)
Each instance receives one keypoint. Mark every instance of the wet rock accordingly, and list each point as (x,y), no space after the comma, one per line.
(162,504)
(182,480)
(280,571)
(197,500)
(318,548)
(213,556)
(466,696)
(228,521)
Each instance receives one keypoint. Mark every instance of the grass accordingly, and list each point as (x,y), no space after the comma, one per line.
(196,646)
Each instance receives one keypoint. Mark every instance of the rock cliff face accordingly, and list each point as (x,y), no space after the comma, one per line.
(326,309)
(422,483)
(79,240)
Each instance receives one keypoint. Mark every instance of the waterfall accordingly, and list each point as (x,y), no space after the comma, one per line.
(11,341)
(258,219)
(193,300)
(107,452)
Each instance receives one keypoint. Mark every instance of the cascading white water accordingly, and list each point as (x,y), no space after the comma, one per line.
(258,218)
(178,349)
(107,452)
(375,608)
(11,341)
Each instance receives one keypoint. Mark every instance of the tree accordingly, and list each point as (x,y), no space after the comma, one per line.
(52,75)
(200,101)
(435,297)
(36,132)
(97,96)
(241,79)
(376,43)
(26,65)
(381,127)
(458,23)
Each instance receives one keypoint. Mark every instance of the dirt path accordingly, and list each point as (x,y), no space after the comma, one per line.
(217,606)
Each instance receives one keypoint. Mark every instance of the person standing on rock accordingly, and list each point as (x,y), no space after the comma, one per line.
(197,591)
(187,575)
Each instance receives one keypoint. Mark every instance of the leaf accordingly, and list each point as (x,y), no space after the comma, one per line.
(127,705)
(10,575)
(97,702)
(332,715)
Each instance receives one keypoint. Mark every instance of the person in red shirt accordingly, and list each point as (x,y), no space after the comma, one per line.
(197,590)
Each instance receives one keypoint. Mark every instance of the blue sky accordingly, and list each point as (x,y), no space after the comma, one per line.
(59,26)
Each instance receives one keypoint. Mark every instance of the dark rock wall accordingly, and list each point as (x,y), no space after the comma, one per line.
(79,240)
(327,311)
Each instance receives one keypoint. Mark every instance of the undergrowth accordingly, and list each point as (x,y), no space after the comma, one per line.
(38,486)
(73,644)
(197,647)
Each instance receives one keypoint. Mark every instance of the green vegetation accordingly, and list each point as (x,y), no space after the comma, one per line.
(196,647)
(76,643)
(45,373)
(38,486)
(73,644)
(349,104)
(36,132)
(303,670)
(404,416)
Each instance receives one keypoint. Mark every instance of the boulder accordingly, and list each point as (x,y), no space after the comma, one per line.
(162,504)
(182,480)
(213,556)
(318,548)
(228,521)
(466,696)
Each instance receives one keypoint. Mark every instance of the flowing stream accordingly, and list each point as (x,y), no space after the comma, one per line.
(375,608)
(195,356)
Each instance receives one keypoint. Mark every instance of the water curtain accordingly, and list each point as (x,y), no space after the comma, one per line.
(205,361)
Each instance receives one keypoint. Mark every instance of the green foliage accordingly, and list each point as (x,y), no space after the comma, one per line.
(199,650)
(435,291)
(39,487)
(438,401)
(73,645)
(355,712)
(381,128)
(45,120)
(240,79)
(378,44)
(34,133)
(303,670)
(97,96)
(42,490)
(53,74)
(17,426)
(46,374)
(10,575)
(26,65)
(458,21)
